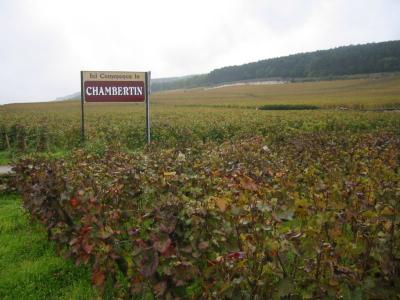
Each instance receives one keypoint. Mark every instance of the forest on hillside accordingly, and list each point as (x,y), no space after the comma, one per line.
(346,60)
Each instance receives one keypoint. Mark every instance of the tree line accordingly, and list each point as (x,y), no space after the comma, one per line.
(347,60)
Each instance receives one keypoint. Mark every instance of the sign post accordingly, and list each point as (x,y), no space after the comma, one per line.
(148,78)
(82,111)
(98,86)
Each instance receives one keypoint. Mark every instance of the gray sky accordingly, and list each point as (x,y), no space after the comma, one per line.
(45,43)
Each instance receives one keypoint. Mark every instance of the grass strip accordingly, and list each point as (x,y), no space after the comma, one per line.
(29,266)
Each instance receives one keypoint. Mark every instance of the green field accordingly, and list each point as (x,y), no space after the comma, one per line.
(29,267)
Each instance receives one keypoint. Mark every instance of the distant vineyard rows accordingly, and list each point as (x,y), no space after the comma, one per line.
(34,133)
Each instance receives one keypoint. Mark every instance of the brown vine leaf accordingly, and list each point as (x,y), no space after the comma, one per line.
(160,288)
(162,245)
(222,204)
(98,278)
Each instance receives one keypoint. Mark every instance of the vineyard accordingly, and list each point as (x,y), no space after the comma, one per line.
(201,116)
(229,201)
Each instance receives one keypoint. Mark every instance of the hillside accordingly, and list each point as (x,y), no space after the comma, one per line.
(368,93)
(348,60)
(357,93)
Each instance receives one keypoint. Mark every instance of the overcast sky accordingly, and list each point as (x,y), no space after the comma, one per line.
(45,43)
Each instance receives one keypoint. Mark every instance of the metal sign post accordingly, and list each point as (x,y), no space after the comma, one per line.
(82,111)
(148,91)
